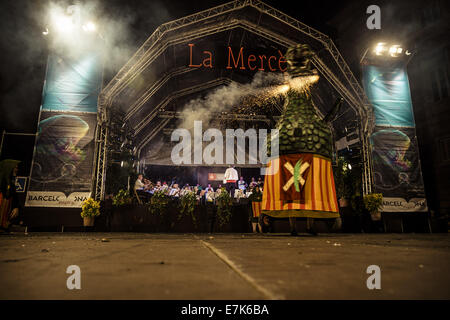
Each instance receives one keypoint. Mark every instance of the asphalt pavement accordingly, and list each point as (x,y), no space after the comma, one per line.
(224,266)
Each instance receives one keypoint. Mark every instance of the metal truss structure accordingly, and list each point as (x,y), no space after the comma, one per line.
(101,143)
(327,60)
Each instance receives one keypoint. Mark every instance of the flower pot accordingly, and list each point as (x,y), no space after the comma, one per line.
(376,215)
(88,221)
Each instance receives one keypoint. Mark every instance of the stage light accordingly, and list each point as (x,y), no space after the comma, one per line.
(395,50)
(349,166)
(89,27)
(380,48)
(63,23)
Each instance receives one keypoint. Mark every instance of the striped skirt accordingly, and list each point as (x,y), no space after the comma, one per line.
(256,209)
(312,196)
(5,211)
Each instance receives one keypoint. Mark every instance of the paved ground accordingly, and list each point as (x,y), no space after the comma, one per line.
(224,266)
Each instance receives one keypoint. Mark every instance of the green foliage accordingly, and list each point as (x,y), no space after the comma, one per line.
(224,204)
(121,198)
(343,179)
(373,202)
(187,205)
(158,203)
(90,208)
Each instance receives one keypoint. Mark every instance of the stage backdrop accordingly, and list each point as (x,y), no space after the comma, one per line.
(61,174)
(396,163)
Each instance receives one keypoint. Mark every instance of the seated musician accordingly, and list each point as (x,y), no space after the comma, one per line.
(174,191)
(139,187)
(139,184)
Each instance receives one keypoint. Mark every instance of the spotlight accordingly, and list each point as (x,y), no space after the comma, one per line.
(395,50)
(380,48)
(63,23)
(89,27)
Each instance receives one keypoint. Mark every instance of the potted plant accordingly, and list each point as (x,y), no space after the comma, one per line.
(122,198)
(158,208)
(224,204)
(343,181)
(373,202)
(187,206)
(89,210)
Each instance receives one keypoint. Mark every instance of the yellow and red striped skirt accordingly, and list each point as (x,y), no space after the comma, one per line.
(317,197)
(5,210)
(256,208)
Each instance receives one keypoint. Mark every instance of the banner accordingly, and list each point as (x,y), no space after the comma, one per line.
(395,153)
(61,174)
(388,92)
(72,84)
(396,169)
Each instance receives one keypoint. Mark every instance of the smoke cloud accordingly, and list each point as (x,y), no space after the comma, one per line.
(123,26)
(228,96)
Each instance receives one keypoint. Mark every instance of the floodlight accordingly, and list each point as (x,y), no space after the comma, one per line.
(89,27)
(63,23)
(380,48)
(395,50)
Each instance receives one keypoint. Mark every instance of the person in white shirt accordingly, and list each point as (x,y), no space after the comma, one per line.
(139,184)
(139,187)
(231,176)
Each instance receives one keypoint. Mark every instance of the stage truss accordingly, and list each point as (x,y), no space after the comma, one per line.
(341,78)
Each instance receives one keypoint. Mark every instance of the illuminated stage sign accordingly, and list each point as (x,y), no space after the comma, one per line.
(215,176)
(242,59)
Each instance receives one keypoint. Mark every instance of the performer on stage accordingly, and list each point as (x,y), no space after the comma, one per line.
(139,184)
(300,181)
(231,176)
(252,184)
(242,185)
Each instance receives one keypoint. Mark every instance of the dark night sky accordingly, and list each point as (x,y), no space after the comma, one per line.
(24,48)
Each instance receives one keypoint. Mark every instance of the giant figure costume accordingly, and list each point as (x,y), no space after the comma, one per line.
(300,180)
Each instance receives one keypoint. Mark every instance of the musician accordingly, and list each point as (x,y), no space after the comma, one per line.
(231,176)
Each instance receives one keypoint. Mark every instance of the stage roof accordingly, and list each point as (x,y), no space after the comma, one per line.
(157,83)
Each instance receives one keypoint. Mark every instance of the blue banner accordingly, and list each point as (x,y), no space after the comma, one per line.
(61,174)
(72,84)
(389,93)
(395,153)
